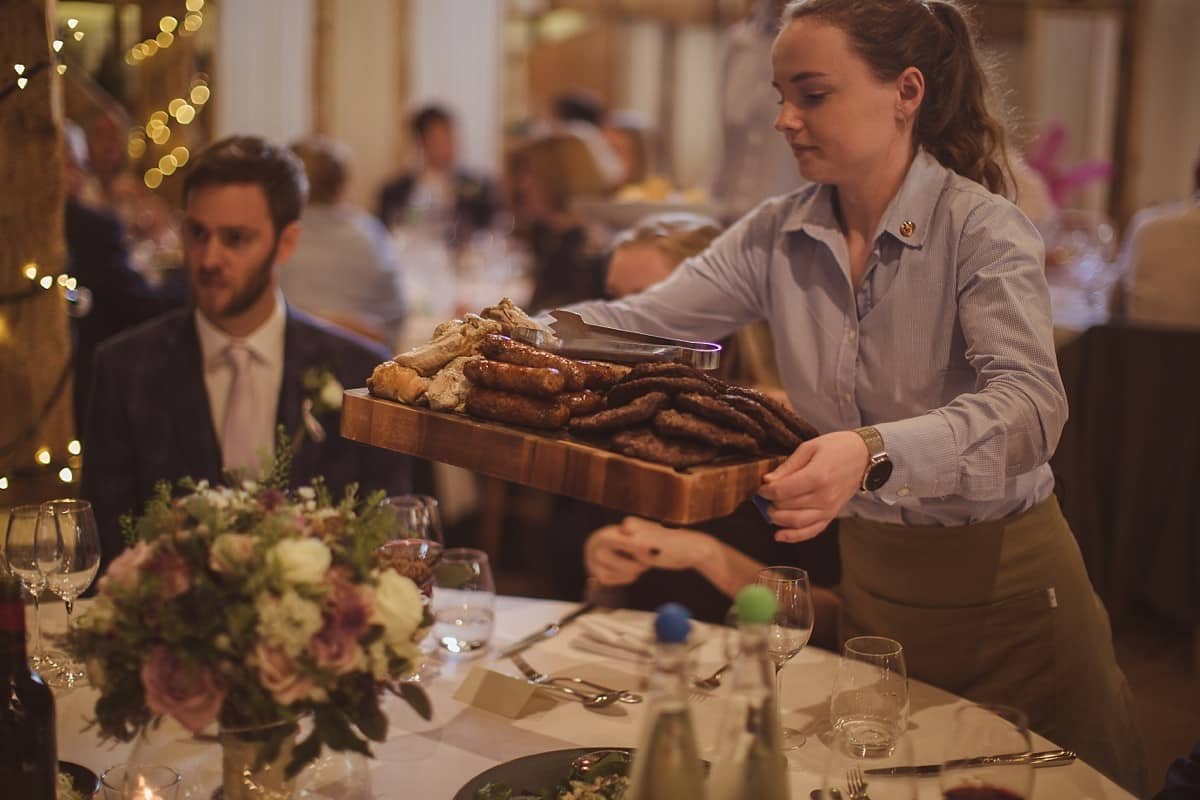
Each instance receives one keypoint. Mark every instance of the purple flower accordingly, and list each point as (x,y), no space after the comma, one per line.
(187,693)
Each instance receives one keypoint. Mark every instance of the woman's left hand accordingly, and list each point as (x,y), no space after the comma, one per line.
(808,490)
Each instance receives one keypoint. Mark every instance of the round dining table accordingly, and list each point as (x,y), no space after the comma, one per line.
(433,759)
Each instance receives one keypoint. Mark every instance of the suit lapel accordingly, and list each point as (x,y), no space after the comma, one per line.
(188,397)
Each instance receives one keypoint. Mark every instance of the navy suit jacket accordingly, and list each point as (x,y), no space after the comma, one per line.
(150,421)
(474,199)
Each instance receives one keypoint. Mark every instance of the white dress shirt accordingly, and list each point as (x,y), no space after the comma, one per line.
(1160,265)
(266,346)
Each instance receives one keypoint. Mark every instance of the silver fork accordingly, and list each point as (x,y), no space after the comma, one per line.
(856,784)
(557,682)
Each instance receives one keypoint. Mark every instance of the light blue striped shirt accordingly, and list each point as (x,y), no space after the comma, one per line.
(946,347)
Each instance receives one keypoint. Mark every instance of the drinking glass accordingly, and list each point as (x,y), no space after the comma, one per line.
(464,597)
(789,631)
(981,731)
(415,543)
(417,517)
(870,695)
(68,554)
(20,551)
(845,762)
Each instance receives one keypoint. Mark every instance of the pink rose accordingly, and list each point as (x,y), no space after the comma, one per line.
(335,650)
(231,551)
(172,573)
(279,674)
(124,571)
(189,694)
(347,608)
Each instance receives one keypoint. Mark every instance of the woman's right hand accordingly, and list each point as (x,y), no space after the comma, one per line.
(617,555)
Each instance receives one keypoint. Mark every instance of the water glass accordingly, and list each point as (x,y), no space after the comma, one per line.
(870,695)
(981,731)
(140,782)
(20,551)
(464,599)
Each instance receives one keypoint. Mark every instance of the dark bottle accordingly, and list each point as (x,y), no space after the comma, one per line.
(28,755)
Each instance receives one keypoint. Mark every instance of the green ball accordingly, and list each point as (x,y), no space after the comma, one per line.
(755,605)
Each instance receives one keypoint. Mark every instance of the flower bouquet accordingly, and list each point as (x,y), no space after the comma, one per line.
(254,609)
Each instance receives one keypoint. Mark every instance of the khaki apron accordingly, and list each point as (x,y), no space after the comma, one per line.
(999,612)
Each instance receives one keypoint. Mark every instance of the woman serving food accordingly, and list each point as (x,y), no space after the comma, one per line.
(911,320)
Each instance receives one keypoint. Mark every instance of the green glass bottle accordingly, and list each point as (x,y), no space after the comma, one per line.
(750,763)
(666,764)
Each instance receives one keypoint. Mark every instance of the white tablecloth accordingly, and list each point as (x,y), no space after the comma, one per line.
(433,759)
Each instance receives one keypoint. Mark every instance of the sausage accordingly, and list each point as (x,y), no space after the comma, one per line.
(583,403)
(800,427)
(601,375)
(640,409)
(516,409)
(622,393)
(502,348)
(536,381)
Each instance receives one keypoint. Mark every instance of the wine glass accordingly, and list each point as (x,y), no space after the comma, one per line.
(415,541)
(68,554)
(870,694)
(789,632)
(20,551)
(988,755)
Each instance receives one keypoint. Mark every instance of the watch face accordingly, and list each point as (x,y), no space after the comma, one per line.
(878,475)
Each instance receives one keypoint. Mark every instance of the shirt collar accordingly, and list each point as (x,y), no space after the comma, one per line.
(265,343)
(907,217)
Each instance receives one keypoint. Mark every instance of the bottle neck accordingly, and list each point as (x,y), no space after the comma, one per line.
(12,631)
(754,668)
(669,675)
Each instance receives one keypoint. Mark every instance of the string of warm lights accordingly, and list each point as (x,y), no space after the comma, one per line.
(27,73)
(168,28)
(158,130)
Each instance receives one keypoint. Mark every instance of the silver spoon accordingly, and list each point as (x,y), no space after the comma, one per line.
(598,700)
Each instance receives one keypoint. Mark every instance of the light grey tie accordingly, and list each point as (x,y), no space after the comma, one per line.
(238,435)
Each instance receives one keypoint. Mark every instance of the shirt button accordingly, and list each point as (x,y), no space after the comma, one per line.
(849,397)
(903,492)
(852,336)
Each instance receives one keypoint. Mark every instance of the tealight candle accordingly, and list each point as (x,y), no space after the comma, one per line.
(140,782)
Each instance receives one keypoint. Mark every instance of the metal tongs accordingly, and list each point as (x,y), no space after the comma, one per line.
(578,339)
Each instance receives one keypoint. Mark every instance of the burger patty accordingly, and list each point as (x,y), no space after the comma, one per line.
(679,453)
(682,425)
(778,434)
(636,411)
(623,393)
(795,423)
(716,410)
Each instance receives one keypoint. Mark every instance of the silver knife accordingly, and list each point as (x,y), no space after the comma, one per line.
(546,632)
(1045,758)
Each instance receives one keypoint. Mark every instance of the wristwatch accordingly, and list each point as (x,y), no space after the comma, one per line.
(879,467)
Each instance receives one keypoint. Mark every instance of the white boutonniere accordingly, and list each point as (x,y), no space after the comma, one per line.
(323,395)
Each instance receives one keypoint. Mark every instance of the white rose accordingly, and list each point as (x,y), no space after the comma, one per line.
(301,560)
(397,607)
(288,622)
(331,394)
(306,493)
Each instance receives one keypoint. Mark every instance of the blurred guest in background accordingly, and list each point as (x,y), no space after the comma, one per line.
(343,269)
(581,114)
(1160,264)
(438,190)
(754,164)
(628,134)
(98,258)
(545,176)
(201,391)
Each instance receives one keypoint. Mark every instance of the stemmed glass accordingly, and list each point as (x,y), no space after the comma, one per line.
(20,550)
(68,554)
(988,755)
(415,541)
(790,630)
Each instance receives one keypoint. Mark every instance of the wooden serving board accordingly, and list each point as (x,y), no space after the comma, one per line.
(553,463)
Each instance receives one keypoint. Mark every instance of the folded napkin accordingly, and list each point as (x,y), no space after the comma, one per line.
(607,635)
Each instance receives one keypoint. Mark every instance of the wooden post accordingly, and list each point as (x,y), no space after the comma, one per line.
(35,348)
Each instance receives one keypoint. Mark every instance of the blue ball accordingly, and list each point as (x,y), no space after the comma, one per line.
(672,623)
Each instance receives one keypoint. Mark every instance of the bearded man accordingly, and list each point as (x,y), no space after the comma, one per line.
(201,391)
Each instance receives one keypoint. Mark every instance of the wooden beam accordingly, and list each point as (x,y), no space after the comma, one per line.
(34,339)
